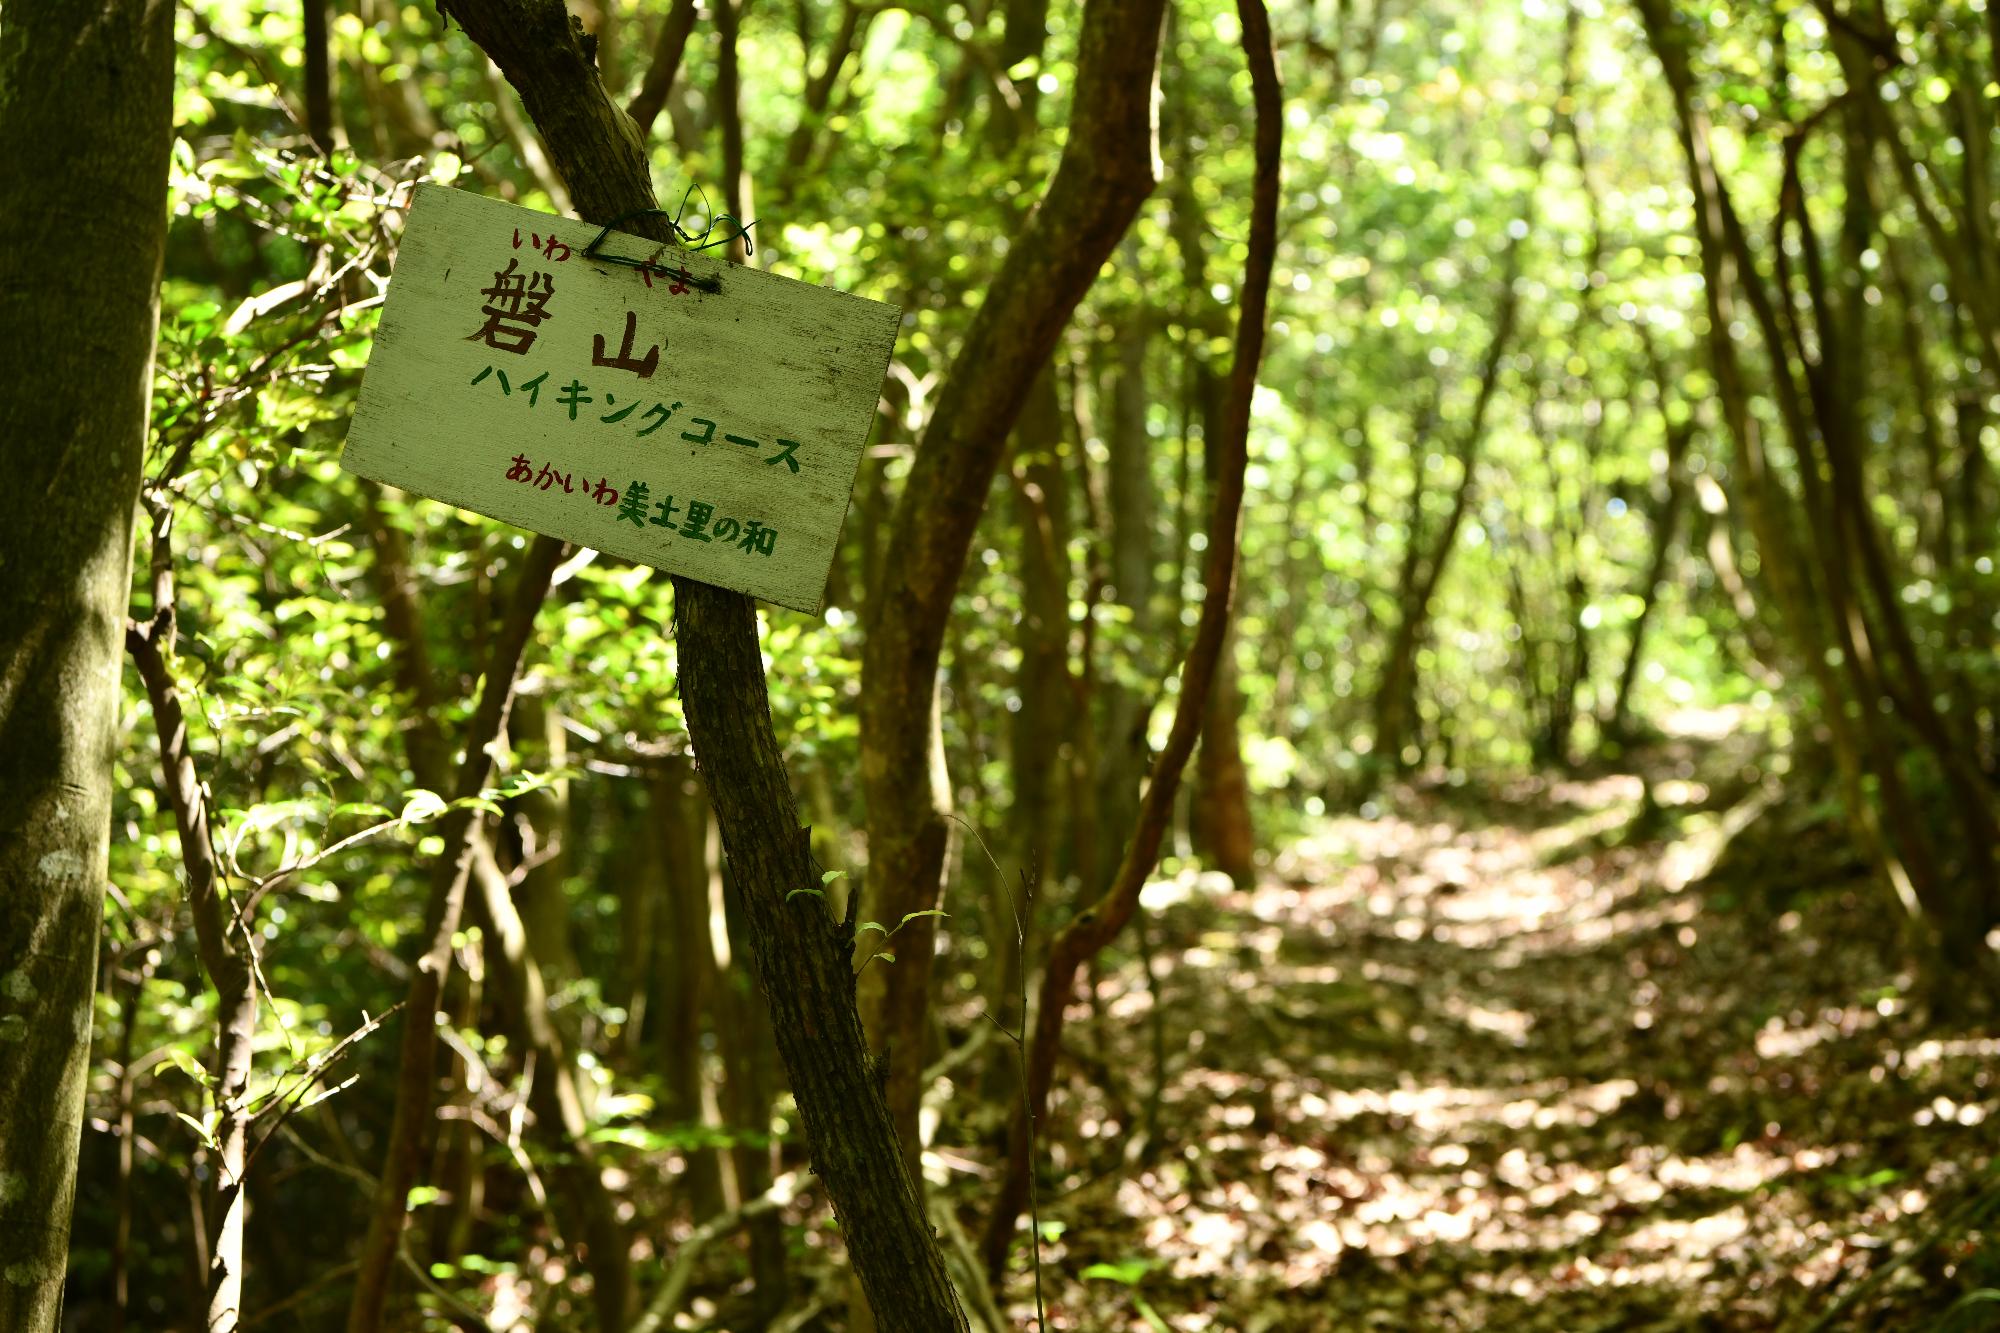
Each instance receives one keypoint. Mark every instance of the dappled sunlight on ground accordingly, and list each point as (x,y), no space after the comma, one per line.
(1447,1069)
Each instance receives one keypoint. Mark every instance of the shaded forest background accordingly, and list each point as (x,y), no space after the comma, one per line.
(1580,907)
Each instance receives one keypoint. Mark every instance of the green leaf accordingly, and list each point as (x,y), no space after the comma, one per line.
(188,1065)
(201,1130)
(1129,1272)
(420,805)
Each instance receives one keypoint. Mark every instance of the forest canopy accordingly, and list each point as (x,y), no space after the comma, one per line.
(1404,729)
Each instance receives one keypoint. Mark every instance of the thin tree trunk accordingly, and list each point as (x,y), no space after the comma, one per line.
(1397,690)
(588,1211)
(85,133)
(403,1153)
(318,75)
(1132,511)
(683,967)
(1723,268)
(745,1030)
(645,108)
(1040,727)
(849,32)
(1088,933)
(222,958)
(801,953)
(1219,820)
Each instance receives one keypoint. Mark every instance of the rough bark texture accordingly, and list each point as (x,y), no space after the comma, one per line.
(85,111)
(403,1155)
(1107,170)
(801,953)
(1100,923)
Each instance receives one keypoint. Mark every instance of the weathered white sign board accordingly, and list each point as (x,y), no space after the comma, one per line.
(694,415)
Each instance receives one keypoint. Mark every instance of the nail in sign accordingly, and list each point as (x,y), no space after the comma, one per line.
(693,415)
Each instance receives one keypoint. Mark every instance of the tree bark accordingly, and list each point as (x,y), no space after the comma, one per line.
(1100,923)
(801,953)
(85,131)
(1107,170)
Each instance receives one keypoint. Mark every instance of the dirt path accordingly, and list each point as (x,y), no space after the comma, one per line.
(1540,1060)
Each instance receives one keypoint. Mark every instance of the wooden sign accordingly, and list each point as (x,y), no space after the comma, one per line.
(691,414)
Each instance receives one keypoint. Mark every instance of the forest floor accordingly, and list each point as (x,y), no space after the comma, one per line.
(1535,1058)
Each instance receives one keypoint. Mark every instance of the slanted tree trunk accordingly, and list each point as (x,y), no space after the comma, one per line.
(1105,173)
(1424,563)
(1666,513)
(85,117)
(1097,925)
(225,955)
(802,954)
(744,1025)
(666,63)
(541,833)
(850,30)
(584,1206)
(1856,739)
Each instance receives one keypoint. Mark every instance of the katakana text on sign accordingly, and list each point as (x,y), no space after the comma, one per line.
(517,377)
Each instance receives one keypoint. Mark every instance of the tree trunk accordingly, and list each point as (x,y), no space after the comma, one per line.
(1133,515)
(667,52)
(1223,833)
(802,955)
(85,117)
(1724,269)
(1105,173)
(1219,814)
(1096,926)
(683,969)
(748,1091)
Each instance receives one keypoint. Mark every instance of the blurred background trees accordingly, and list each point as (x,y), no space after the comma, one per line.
(1633,373)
